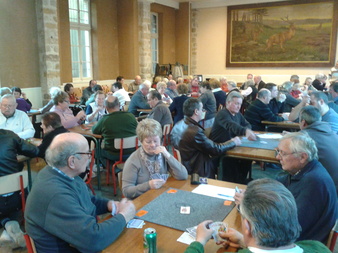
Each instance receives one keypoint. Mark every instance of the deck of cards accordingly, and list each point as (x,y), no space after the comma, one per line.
(159,176)
(217,227)
(135,223)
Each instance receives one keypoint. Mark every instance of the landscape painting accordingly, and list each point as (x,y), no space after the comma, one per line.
(282,34)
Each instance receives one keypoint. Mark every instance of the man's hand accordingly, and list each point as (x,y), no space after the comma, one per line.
(250,135)
(233,238)
(237,141)
(203,234)
(156,183)
(239,196)
(127,209)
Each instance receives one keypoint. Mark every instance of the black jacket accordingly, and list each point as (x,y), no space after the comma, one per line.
(10,146)
(47,140)
(196,149)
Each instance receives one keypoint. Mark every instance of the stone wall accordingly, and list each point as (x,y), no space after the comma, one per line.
(193,43)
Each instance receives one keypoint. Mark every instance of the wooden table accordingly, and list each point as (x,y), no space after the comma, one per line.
(254,154)
(86,131)
(131,240)
(33,113)
(282,124)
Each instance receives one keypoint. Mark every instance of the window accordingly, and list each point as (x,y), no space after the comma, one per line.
(80,39)
(154,40)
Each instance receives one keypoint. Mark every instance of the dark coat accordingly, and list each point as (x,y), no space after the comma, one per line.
(196,149)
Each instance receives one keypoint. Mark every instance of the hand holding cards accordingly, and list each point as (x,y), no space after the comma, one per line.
(217,227)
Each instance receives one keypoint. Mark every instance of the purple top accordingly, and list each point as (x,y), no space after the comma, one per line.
(23,105)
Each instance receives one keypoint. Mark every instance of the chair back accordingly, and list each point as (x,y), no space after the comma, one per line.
(166,134)
(125,143)
(177,155)
(331,242)
(11,183)
(30,244)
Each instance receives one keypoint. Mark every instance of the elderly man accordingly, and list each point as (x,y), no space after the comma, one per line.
(229,123)
(334,95)
(10,204)
(60,213)
(133,87)
(319,100)
(160,111)
(259,110)
(320,82)
(87,92)
(276,103)
(310,184)
(269,223)
(195,147)
(139,99)
(115,124)
(259,84)
(13,119)
(171,90)
(311,123)
(290,101)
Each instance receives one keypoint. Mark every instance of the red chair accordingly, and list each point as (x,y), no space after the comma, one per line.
(331,242)
(166,135)
(90,173)
(120,144)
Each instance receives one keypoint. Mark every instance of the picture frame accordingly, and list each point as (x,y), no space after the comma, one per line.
(282,34)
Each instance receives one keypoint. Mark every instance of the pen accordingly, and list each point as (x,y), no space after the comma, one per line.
(223,195)
(237,190)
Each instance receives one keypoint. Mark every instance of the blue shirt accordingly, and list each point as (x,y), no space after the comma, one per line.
(332,118)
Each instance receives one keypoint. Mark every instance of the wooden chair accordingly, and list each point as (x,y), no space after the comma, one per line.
(90,173)
(120,144)
(331,242)
(177,154)
(166,135)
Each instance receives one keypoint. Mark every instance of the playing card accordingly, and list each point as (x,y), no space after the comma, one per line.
(156,176)
(217,227)
(185,210)
(192,231)
(135,223)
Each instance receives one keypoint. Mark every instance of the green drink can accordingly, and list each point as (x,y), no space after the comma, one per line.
(149,240)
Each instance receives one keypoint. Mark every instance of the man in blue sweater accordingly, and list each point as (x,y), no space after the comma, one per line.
(60,212)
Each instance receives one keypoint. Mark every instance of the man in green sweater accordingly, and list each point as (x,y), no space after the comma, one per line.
(269,223)
(60,212)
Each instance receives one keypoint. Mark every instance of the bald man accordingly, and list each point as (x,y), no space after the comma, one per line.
(60,213)
(133,87)
(115,124)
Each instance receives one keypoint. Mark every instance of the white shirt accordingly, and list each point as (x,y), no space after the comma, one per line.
(19,123)
(122,96)
(295,249)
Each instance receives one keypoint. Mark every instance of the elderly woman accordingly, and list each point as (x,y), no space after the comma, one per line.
(96,109)
(61,107)
(23,102)
(148,166)
(161,87)
(52,92)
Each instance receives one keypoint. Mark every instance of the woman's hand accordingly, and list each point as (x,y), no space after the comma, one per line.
(233,238)
(163,150)
(156,183)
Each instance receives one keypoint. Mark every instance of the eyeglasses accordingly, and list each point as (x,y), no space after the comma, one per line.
(282,154)
(7,106)
(89,153)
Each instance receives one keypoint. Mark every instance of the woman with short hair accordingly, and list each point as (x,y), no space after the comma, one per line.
(148,167)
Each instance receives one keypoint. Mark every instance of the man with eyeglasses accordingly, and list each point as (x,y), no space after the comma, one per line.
(60,212)
(13,119)
(310,184)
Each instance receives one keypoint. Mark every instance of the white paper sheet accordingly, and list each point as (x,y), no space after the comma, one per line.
(215,191)
(270,136)
(186,238)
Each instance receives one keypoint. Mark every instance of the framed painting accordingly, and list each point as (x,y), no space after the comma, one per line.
(282,34)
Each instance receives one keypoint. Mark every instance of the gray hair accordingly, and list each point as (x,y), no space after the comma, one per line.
(318,95)
(57,155)
(263,93)
(287,86)
(8,96)
(53,91)
(148,128)
(232,83)
(145,84)
(247,83)
(233,95)
(160,85)
(301,142)
(320,76)
(4,91)
(271,211)
(310,114)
